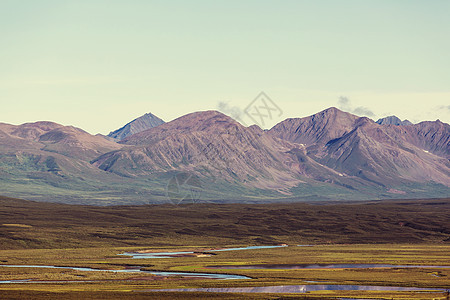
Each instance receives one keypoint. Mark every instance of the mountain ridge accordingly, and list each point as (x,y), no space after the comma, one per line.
(329,155)
(393,120)
(374,152)
(137,125)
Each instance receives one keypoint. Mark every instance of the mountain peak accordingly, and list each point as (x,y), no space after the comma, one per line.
(142,123)
(207,117)
(334,114)
(321,127)
(393,120)
(332,109)
(30,130)
(210,121)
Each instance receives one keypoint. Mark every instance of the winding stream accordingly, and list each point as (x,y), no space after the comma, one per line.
(137,255)
(135,270)
(267,289)
(300,289)
(320,266)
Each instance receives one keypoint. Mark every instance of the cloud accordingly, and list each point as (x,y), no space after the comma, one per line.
(233,111)
(361,110)
(444,107)
(345,104)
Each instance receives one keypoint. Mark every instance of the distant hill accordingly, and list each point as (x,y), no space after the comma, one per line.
(331,155)
(319,128)
(382,155)
(209,144)
(393,120)
(142,123)
(50,162)
(54,138)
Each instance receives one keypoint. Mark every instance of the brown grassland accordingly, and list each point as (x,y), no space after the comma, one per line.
(389,232)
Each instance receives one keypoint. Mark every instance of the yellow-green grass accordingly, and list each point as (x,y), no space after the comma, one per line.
(106,258)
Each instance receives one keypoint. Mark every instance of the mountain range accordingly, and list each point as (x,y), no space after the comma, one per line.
(331,155)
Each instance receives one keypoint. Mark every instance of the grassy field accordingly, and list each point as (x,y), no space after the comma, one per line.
(389,232)
(115,285)
(26,224)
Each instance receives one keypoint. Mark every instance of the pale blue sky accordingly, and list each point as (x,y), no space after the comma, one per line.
(98,64)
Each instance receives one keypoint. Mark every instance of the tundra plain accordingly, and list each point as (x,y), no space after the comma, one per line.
(400,232)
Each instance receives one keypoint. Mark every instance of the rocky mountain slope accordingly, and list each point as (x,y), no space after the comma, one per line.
(329,155)
(393,120)
(142,123)
(316,129)
(383,155)
(209,144)
(49,161)
(54,138)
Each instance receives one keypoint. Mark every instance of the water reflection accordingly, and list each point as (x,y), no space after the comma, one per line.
(15,281)
(299,289)
(138,255)
(319,266)
(136,270)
